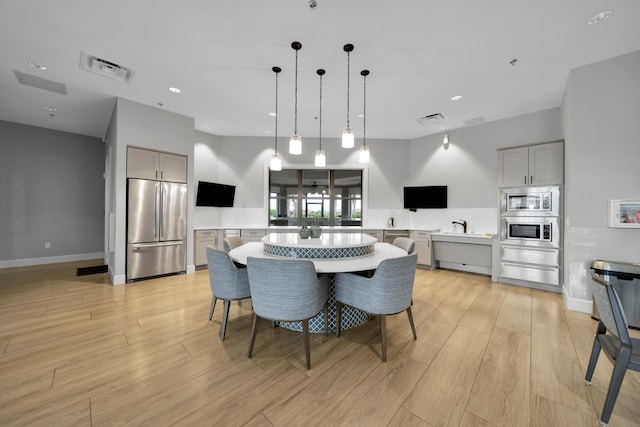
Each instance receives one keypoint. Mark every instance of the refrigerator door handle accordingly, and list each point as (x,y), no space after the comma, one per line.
(157,214)
(162,207)
(156,244)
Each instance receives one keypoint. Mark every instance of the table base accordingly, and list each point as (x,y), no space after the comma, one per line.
(349,318)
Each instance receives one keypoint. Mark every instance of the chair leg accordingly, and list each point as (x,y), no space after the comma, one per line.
(213,305)
(326,319)
(338,313)
(413,327)
(254,332)
(307,350)
(593,360)
(225,316)
(619,369)
(383,336)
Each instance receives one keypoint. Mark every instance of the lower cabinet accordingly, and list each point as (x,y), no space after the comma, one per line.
(378,234)
(423,247)
(252,235)
(204,238)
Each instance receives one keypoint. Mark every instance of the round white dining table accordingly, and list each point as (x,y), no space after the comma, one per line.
(350,316)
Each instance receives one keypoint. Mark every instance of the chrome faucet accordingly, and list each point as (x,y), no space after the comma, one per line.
(463,223)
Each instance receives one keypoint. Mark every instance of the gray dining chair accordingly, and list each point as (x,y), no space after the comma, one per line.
(232,242)
(387,292)
(287,290)
(405,243)
(612,337)
(228,283)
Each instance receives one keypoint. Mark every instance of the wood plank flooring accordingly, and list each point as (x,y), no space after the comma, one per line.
(79,351)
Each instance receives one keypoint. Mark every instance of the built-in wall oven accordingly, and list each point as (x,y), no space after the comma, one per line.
(530,201)
(531,237)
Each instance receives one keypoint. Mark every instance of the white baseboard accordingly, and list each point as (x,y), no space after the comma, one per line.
(576,304)
(26,262)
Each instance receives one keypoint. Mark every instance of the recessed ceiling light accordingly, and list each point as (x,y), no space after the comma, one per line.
(599,17)
(272,114)
(173,89)
(37,66)
(50,109)
(456,98)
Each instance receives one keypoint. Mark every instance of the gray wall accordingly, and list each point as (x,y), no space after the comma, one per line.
(469,165)
(243,161)
(601,115)
(51,190)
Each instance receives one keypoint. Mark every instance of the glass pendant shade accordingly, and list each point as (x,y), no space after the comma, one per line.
(364,154)
(295,144)
(348,140)
(321,159)
(276,163)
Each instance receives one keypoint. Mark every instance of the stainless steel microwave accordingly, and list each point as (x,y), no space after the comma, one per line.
(530,231)
(530,201)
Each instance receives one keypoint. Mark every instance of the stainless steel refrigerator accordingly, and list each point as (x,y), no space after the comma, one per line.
(156,228)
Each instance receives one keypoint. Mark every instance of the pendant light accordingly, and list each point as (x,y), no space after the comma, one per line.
(347,135)
(364,150)
(276,163)
(321,159)
(295,143)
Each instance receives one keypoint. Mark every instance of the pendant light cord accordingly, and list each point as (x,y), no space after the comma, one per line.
(277,111)
(320,114)
(295,124)
(348,73)
(364,113)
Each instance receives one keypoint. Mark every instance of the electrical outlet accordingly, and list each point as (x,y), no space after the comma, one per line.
(47,245)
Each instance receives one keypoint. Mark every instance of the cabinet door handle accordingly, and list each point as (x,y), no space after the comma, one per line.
(525,180)
(531,180)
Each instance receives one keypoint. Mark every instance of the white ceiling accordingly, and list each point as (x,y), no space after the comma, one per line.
(220,54)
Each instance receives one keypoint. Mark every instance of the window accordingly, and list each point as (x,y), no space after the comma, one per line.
(332,196)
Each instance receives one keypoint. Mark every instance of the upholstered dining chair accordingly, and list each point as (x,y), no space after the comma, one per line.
(405,243)
(286,290)
(612,336)
(228,283)
(387,292)
(232,242)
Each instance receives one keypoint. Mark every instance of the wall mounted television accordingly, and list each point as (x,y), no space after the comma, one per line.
(425,197)
(215,195)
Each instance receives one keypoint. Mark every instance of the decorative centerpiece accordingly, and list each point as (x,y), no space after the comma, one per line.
(304,231)
(315,229)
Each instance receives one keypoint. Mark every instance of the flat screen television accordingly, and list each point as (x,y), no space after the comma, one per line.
(425,197)
(214,194)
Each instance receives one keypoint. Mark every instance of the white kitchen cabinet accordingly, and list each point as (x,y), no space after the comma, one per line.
(534,165)
(149,164)
(252,235)
(423,247)
(202,239)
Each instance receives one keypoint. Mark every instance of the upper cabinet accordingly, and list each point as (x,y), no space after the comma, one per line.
(541,164)
(148,164)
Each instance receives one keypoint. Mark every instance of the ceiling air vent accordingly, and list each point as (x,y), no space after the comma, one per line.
(432,119)
(40,83)
(105,68)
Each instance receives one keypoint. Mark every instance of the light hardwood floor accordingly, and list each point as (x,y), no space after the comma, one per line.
(78,351)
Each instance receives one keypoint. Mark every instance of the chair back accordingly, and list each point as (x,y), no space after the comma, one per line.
(287,289)
(405,243)
(226,280)
(232,242)
(391,287)
(610,309)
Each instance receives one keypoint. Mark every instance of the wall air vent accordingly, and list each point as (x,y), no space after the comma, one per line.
(105,68)
(474,121)
(432,119)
